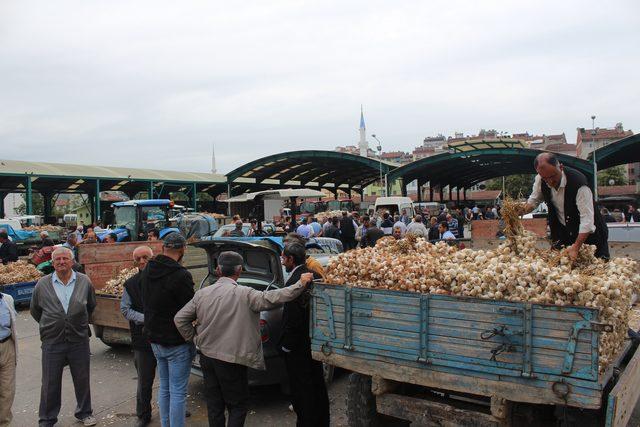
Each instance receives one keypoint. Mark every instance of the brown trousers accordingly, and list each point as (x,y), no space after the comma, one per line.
(7,380)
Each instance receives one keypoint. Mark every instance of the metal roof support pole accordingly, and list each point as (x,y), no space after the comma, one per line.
(464,193)
(419,185)
(47,198)
(228,197)
(458,194)
(194,196)
(96,200)
(441,193)
(150,191)
(430,192)
(450,193)
(403,188)
(28,197)
(595,177)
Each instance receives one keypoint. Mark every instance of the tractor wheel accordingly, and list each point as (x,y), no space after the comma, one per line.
(361,403)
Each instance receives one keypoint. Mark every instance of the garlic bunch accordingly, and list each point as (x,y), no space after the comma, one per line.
(18,272)
(115,286)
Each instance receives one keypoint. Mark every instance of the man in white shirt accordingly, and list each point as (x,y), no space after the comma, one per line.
(445,234)
(572,215)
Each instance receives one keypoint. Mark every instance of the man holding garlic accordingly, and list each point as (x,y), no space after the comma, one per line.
(573,217)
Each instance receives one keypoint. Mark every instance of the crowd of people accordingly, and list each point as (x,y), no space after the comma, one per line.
(167,319)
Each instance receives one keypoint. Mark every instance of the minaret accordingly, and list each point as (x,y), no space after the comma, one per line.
(363,145)
(213,159)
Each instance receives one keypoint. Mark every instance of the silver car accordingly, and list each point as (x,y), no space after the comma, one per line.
(262,270)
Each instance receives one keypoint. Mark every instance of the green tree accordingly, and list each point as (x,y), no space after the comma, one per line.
(516,186)
(616,174)
(37,205)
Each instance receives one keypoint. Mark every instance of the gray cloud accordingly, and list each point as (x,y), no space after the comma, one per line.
(153,84)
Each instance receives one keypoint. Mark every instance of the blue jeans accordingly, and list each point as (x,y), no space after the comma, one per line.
(174,368)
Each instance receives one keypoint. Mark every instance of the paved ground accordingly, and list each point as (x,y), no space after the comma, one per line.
(113,382)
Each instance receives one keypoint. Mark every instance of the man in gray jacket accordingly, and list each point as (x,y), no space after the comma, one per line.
(8,359)
(62,304)
(227,316)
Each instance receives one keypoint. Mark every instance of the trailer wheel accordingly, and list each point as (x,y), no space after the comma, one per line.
(576,417)
(361,403)
(328,372)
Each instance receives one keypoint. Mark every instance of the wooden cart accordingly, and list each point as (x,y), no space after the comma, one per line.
(445,360)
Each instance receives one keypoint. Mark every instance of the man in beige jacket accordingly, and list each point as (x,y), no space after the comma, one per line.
(227,319)
(8,359)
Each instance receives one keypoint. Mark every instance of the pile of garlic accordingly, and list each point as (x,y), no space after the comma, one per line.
(18,272)
(115,286)
(517,270)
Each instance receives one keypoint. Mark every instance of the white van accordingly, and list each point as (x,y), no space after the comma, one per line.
(394,205)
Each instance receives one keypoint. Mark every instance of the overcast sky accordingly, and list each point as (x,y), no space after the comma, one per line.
(154,84)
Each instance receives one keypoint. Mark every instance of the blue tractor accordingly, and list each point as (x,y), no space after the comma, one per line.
(134,219)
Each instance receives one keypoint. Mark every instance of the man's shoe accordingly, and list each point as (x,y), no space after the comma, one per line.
(187,414)
(89,421)
(142,422)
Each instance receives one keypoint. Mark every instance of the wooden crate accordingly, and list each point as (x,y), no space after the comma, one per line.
(518,351)
(102,261)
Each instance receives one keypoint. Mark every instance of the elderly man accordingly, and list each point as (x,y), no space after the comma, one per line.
(399,223)
(304,229)
(417,227)
(226,317)
(8,359)
(132,309)
(573,216)
(62,304)
(45,239)
(166,287)
(8,249)
(110,238)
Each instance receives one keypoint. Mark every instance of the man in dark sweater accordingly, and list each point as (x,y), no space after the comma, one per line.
(347,232)
(8,249)
(308,390)
(143,358)
(574,218)
(166,287)
(62,304)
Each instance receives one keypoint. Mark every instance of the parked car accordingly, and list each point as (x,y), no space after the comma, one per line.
(268,229)
(262,270)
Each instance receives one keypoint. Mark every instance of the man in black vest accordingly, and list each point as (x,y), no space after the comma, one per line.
(573,217)
(308,390)
(144,360)
(347,232)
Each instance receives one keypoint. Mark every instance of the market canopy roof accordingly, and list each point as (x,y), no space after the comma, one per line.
(70,178)
(280,194)
(621,152)
(308,168)
(467,168)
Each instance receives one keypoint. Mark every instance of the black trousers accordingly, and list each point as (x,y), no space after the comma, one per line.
(226,385)
(145,363)
(54,358)
(308,390)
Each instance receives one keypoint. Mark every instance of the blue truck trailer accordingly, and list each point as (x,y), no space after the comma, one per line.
(461,361)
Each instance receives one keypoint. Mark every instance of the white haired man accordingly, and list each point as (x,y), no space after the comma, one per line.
(62,304)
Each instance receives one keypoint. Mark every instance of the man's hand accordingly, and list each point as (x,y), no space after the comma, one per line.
(524,208)
(572,252)
(306,279)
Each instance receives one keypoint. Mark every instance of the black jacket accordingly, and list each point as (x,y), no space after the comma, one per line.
(139,341)
(166,288)
(8,252)
(295,317)
(566,235)
(347,230)
(434,233)
(332,231)
(371,236)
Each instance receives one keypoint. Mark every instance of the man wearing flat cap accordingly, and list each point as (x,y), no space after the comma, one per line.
(227,317)
(166,287)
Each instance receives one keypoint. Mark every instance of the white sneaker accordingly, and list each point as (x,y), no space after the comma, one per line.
(89,421)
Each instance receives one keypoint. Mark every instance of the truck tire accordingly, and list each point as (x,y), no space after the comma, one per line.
(361,403)
(328,371)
